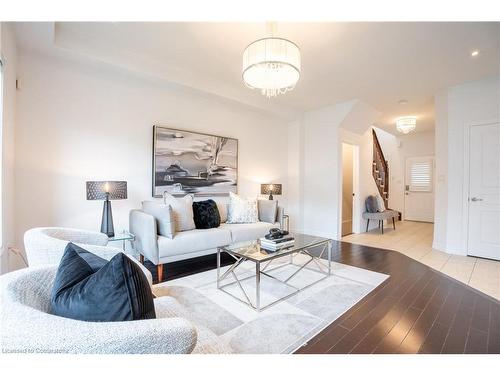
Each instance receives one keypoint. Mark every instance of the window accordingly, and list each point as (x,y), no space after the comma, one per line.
(420,174)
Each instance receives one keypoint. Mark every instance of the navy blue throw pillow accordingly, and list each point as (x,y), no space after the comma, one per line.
(90,288)
(206,214)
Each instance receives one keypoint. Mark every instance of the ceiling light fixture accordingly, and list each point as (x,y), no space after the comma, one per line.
(271,65)
(474,53)
(406,124)
(403,101)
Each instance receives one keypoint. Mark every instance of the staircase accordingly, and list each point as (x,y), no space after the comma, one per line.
(380,170)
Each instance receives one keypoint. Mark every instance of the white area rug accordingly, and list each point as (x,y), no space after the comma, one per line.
(284,327)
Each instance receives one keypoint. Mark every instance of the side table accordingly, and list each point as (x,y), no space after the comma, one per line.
(124,237)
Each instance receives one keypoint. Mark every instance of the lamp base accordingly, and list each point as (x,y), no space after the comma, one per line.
(107,220)
(270,196)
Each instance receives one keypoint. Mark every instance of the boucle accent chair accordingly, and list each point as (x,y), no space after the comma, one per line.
(45,246)
(28,327)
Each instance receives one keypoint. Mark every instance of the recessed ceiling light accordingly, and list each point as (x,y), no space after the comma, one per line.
(403,101)
(474,53)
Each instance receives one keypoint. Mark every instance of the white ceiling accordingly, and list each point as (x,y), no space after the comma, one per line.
(378,63)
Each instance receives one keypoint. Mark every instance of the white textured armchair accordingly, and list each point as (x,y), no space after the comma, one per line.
(28,327)
(45,246)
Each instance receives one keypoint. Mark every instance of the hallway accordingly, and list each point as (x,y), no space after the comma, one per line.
(414,239)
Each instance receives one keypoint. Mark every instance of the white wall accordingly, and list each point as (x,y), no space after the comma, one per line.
(321,170)
(295,145)
(9,55)
(441,185)
(322,132)
(79,122)
(457,109)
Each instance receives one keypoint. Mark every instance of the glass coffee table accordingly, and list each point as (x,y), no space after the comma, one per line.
(251,251)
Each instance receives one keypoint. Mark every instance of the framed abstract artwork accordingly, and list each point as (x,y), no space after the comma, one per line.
(187,162)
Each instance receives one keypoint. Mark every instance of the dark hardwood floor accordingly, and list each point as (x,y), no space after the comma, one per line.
(416,310)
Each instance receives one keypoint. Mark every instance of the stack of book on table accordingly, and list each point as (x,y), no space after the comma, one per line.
(276,244)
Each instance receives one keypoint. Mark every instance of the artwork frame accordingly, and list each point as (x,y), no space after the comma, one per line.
(188,162)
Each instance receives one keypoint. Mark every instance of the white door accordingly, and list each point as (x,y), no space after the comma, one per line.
(484,191)
(419,189)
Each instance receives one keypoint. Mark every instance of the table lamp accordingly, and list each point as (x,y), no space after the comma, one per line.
(270,189)
(106,190)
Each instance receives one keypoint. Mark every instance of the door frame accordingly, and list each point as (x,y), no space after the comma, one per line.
(466,179)
(433,157)
(356,214)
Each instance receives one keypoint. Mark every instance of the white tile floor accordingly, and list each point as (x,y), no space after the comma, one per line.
(414,239)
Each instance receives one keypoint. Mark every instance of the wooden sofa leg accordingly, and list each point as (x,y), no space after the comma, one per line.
(367,224)
(141,258)
(393,223)
(159,268)
(382,225)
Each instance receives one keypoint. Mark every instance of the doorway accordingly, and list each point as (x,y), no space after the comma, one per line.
(484,191)
(350,214)
(419,189)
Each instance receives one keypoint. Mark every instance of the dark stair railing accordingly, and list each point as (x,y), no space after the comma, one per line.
(380,170)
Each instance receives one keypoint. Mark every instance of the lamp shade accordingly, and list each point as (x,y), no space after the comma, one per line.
(271,65)
(102,190)
(274,189)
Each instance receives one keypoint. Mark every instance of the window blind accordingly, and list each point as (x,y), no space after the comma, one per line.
(421,175)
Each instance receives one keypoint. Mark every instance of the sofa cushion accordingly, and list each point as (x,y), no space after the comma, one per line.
(248,231)
(242,210)
(222,207)
(192,241)
(89,288)
(206,214)
(163,214)
(183,211)
(267,210)
(387,214)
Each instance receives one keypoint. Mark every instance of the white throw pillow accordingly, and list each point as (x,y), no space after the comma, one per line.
(163,214)
(182,210)
(380,204)
(267,210)
(242,210)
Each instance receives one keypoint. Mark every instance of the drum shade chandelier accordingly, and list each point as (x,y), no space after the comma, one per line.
(271,65)
(406,124)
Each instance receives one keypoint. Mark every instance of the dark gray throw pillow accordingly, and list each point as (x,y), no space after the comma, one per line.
(90,288)
(206,214)
(371,204)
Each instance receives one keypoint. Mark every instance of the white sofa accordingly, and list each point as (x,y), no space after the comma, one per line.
(28,326)
(192,243)
(45,246)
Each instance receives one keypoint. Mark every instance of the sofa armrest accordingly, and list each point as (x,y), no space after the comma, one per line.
(149,336)
(143,227)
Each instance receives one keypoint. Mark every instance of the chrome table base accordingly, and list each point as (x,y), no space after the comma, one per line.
(325,270)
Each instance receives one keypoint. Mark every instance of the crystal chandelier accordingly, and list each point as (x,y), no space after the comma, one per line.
(271,65)
(406,124)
